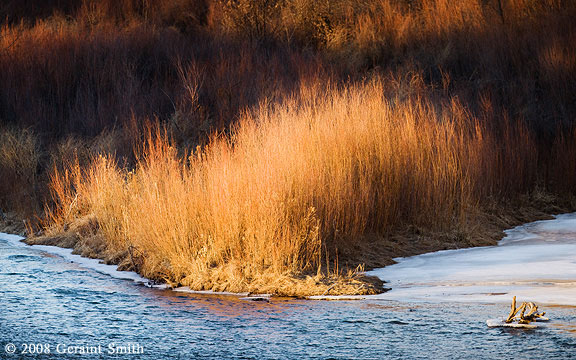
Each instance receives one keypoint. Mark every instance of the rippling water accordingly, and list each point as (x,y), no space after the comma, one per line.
(46,299)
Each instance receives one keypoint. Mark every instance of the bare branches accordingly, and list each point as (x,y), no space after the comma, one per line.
(524,318)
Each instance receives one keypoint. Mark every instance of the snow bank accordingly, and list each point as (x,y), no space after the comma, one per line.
(536,262)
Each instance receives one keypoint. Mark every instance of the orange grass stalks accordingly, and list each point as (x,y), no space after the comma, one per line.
(289,183)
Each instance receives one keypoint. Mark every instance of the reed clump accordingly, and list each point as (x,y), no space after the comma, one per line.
(290,184)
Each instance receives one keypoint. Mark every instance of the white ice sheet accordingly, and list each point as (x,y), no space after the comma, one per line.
(536,262)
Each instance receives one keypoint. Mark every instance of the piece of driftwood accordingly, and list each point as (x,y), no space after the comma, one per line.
(524,318)
(519,317)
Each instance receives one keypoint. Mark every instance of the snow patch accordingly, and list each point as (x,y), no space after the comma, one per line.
(535,261)
(93,264)
(186,289)
(502,323)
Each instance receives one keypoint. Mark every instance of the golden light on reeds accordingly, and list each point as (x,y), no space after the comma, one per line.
(319,171)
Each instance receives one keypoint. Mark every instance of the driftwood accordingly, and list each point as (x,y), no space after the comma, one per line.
(528,312)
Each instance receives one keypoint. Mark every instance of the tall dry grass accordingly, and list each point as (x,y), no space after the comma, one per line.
(292,183)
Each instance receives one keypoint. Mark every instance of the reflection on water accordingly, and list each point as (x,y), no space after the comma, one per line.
(227,306)
(47,299)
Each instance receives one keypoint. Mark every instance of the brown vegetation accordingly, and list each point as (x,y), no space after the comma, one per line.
(241,145)
(320,171)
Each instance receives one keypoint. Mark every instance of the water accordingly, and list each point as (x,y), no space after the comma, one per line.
(47,299)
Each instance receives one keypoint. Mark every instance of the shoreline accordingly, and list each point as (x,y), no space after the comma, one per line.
(376,253)
(111,270)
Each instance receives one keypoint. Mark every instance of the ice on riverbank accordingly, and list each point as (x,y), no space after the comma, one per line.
(535,261)
(65,253)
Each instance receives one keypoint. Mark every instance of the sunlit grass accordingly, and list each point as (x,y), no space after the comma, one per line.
(289,185)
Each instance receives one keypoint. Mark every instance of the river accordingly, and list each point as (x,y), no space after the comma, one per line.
(62,306)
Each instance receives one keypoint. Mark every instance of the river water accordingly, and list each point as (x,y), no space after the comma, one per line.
(65,306)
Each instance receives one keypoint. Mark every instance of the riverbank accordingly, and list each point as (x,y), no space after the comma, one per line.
(485,228)
(533,262)
(51,300)
(83,238)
